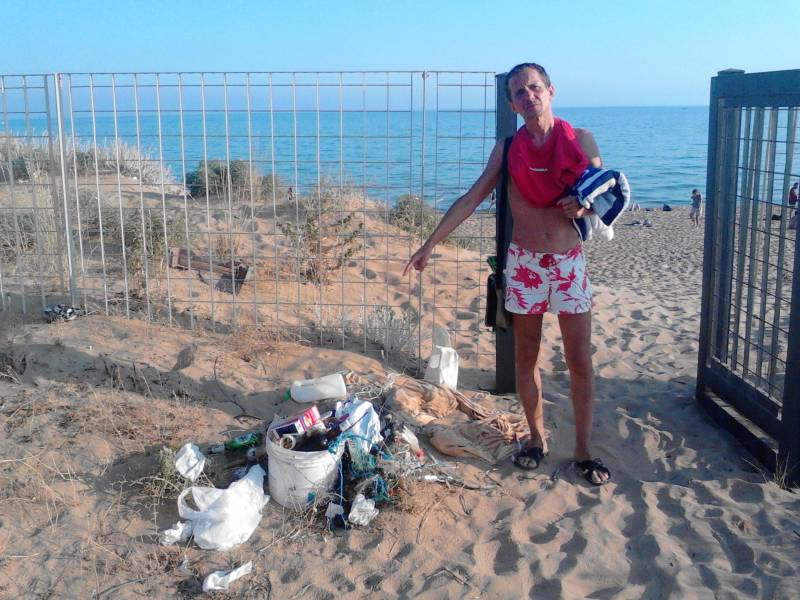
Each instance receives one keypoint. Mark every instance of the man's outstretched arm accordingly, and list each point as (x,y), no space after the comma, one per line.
(461,209)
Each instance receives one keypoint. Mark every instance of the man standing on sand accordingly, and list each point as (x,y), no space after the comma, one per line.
(545,267)
(697,205)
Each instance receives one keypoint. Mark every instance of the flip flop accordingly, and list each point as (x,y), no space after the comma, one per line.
(591,470)
(533,453)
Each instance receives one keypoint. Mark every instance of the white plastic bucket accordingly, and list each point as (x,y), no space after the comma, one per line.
(296,478)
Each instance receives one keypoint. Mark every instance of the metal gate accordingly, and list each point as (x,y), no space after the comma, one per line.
(748,374)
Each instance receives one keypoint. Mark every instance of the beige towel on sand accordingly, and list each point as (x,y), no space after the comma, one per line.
(490,436)
(422,399)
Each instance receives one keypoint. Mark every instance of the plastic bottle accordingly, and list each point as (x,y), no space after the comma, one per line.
(322,388)
(244,441)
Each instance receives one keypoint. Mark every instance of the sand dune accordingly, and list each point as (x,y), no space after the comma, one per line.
(686,514)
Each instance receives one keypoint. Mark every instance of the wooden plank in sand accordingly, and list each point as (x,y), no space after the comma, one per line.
(181,258)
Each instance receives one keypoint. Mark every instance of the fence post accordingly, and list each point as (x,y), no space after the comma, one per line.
(717,219)
(789,443)
(727,146)
(708,258)
(505,125)
(64,186)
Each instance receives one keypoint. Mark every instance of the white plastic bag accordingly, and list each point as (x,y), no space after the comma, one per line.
(442,367)
(362,511)
(334,510)
(410,438)
(190,461)
(225,518)
(362,420)
(180,533)
(220,580)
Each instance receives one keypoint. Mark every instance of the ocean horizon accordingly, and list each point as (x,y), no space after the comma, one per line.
(388,154)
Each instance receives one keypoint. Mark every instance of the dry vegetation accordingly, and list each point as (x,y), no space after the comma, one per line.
(123,230)
(86,479)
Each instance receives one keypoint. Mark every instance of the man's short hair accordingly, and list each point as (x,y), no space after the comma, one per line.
(521,67)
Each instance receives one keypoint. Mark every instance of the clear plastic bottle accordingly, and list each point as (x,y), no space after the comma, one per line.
(322,388)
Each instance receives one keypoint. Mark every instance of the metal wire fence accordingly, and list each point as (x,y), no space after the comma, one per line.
(288,202)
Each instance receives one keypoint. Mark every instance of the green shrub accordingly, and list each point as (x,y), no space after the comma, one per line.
(134,240)
(413,214)
(393,333)
(243,180)
(324,237)
(215,180)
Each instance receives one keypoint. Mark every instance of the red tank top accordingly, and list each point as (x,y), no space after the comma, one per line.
(545,174)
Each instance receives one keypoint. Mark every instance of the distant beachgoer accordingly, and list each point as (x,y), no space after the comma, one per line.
(697,207)
(793,195)
(545,267)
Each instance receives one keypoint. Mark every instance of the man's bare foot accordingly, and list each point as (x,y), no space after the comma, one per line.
(529,457)
(593,471)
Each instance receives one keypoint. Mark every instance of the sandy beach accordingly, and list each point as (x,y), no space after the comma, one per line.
(86,406)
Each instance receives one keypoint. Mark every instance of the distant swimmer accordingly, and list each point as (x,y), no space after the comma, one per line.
(697,207)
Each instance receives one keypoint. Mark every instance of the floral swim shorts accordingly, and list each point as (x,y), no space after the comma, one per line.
(538,282)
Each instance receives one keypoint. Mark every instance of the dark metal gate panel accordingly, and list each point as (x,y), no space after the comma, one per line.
(749,348)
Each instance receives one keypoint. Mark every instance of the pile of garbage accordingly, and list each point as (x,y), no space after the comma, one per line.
(350,452)
(350,457)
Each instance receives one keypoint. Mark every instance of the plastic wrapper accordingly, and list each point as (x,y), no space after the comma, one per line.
(221,580)
(190,461)
(362,511)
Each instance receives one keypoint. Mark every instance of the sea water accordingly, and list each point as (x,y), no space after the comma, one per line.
(662,150)
(438,155)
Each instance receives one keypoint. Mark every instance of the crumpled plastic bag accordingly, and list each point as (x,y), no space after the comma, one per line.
(362,511)
(410,438)
(190,461)
(180,533)
(225,518)
(362,420)
(220,580)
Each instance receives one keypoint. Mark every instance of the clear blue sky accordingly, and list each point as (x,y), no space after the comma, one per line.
(598,53)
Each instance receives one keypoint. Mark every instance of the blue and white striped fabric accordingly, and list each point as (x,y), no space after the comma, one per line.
(608,194)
